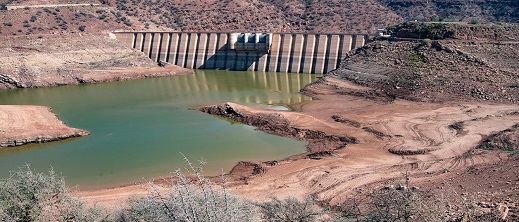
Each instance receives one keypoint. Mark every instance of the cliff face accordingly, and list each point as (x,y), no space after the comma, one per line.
(475,67)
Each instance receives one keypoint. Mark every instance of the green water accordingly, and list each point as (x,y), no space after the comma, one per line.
(140,127)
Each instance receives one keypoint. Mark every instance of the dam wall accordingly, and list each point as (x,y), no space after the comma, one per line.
(272,52)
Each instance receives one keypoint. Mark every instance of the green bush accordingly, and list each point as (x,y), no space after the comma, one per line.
(82,28)
(474,21)
(426,41)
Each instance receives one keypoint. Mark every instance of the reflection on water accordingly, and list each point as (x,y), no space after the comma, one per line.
(139,127)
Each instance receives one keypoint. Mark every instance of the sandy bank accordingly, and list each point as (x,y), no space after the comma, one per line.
(21,125)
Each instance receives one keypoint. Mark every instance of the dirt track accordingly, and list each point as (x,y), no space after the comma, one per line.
(32,124)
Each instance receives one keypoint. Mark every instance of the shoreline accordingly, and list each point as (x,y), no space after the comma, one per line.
(57,60)
(26,124)
(369,128)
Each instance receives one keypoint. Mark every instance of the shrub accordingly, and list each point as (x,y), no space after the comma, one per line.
(290,209)
(82,28)
(426,42)
(474,21)
(188,200)
(30,196)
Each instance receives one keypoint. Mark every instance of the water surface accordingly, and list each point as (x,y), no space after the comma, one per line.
(140,127)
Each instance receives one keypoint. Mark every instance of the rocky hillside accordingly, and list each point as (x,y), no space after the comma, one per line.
(466,65)
(358,16)
(455,10)
(64,20)
(352,16)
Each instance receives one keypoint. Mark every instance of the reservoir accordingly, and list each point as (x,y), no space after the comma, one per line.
(140,127)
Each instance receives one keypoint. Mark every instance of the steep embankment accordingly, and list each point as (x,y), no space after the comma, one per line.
(21,125)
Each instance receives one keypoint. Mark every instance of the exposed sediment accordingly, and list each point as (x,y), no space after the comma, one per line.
(280,123)
(52,61)
(21,125)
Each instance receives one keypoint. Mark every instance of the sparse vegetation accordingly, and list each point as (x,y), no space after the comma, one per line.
(474,21)
(30,196)
(422,30)
(290,209)
(192,198)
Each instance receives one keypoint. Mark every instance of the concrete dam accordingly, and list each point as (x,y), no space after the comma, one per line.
(271,52)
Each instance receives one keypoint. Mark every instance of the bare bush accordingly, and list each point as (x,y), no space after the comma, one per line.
(30,196)
(192,198)
(290,209)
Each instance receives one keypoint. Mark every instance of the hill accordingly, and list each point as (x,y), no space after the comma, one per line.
(308,16)
(474,62)
(455,10)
